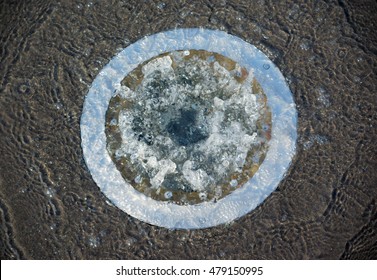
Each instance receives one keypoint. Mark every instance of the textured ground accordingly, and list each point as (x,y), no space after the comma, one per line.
(325,208)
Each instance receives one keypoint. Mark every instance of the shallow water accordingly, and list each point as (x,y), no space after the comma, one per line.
(50,207)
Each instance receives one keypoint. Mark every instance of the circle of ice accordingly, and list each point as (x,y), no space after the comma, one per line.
(189,122)
(207,214)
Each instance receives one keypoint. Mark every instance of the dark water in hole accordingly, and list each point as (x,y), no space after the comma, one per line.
(51,51)
(185,130)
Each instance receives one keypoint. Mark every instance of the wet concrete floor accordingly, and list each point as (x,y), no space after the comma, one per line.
(51,51)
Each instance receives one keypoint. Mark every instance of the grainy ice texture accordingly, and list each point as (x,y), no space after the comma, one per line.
(281,147)
(202,111)
(50,207)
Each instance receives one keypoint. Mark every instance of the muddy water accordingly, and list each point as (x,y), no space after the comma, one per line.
(50,208)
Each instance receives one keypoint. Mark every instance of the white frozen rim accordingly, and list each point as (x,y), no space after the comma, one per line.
(206,214)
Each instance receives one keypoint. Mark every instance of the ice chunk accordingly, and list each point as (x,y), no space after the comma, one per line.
(233,183)
(198,179)
(164,167)
(160,64)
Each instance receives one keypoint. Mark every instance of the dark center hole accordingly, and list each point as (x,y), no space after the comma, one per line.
(185,130)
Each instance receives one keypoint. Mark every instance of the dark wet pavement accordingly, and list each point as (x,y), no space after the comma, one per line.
(51,51)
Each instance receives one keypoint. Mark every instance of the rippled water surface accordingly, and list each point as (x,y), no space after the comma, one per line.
(50,207)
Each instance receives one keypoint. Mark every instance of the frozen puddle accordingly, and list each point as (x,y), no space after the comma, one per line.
(188,128)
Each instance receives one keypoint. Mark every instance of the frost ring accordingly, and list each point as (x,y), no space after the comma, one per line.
(206,214)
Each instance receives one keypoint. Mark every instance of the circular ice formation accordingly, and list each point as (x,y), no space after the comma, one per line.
(186,125)
(208,213)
